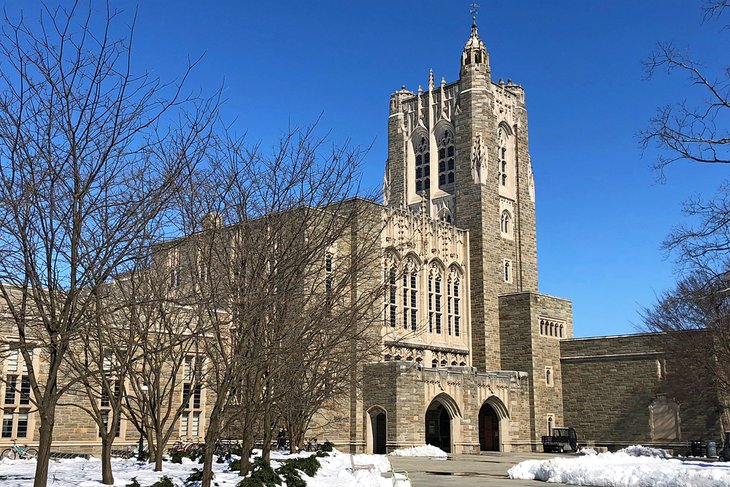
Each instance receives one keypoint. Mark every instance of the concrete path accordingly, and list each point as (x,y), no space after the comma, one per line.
(489,469)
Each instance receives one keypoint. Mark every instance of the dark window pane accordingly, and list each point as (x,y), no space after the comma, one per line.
(419,159)
(442,153)
(419,186)
(10,385)
(450,151)
(427,184)
(419,172)
(442,166)
(25,390)
(186,394)
(442,180)
(23,424)
(426,158)
(197,397)
(451,177)
(7,425)
(451,164)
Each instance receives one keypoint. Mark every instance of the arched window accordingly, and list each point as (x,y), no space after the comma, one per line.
(434,300)
(423,167)
(434,363)
(507,271)
(410,296)
(453,306)
(502,155)
(390,295)
(506,222)
(446,159)
(444,363)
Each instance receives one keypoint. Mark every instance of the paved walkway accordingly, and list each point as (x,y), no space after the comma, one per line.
(489,469)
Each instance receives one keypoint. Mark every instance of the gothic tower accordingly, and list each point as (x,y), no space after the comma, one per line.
(460,152)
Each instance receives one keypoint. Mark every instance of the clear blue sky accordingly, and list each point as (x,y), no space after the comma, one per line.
(601,213)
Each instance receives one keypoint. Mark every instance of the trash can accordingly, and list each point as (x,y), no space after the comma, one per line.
(696,448)
(711,449)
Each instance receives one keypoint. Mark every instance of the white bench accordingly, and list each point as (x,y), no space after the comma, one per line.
(401,479)
(360,466)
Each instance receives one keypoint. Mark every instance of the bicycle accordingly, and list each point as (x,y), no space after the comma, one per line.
(16,452)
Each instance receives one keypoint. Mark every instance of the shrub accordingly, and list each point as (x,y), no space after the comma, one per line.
(262,470)
(133,483)
(195,476)
(327,446)
(235,465)
(321,454)
(177,456)
(308,465)
(165,481)
(250,482)
(291,475)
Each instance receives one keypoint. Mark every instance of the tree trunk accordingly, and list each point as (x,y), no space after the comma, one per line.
(159,451)
(211,435)
(44,447)
(246,446)
(107,476)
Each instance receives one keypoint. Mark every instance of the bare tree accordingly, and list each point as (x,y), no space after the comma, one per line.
(694,131)
(83,172)
(272,221)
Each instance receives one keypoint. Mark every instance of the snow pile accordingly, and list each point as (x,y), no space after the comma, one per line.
(645,451)
(587,451)
(420,451)
(336,471)
(621,469)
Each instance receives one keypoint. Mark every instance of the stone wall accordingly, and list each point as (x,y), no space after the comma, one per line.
(618,391)
(526,347)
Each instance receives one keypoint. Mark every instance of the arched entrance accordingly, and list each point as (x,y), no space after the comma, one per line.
(439,416)
(491,414)
(488,428)
(377,434)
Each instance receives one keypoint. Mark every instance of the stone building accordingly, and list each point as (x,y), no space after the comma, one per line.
(460,203)
(473,358)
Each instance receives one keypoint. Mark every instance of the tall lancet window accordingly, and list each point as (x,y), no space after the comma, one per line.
(423,166)
(435,313)
(502,156)
(453,306)
(390,294)
(446,159)
(410,296)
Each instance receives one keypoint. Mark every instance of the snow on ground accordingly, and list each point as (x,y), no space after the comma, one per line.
(336,471)
(420,451)
(633,466)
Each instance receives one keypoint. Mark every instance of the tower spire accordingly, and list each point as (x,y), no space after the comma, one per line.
(474,11)
(475,53)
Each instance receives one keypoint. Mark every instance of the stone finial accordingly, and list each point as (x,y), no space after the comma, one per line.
(430,80)
(443,81)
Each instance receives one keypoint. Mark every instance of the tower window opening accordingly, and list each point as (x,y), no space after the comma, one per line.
(507,271)
(506,223)
(423,167)
(446,161)
(434,301)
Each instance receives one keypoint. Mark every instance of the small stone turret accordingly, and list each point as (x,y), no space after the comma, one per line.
(475,54)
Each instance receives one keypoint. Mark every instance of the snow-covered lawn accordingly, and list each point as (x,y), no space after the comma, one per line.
(632,466)
(420,451)
(336,471)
